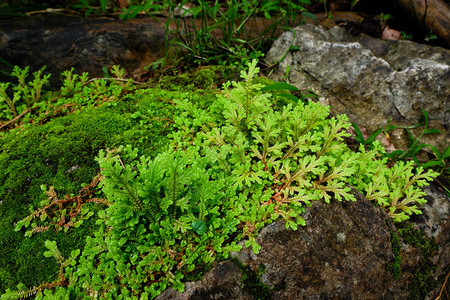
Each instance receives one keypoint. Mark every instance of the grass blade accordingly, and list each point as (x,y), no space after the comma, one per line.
(280,86)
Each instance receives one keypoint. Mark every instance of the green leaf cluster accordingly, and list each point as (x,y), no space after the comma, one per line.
(28,101)
(397,189)
(231,169)
(25,93)
(61,154)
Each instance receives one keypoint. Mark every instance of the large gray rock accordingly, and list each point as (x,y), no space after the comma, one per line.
(345,251)
(370,80)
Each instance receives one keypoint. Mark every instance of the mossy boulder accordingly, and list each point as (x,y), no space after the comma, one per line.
(61,153)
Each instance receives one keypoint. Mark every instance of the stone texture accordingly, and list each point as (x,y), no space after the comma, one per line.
(435,214)
(61,42)
(222,282)
(370,80)
(88,44)
(434,222)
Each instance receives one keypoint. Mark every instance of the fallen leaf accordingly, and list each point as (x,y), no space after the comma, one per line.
(123,3)
(390,34)
(386,142)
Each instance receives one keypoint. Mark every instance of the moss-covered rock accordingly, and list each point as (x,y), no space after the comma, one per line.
(423,280)
(61,154)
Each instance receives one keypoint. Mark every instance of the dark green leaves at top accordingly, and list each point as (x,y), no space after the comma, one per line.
(431,131)
(446,153)
(103,4)
(359,136)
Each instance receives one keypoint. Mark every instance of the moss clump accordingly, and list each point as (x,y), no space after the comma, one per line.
(252,281)
(61,154)
(395,268)
(422,282)
(198,273)
(200,79)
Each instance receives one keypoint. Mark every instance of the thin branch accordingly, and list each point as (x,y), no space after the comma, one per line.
(16,118)
(443,286)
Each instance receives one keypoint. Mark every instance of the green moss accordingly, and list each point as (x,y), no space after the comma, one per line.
(416,238)
(395,268)
(197,274)
(61,154)
(203,78)
(252,281)
(423,281)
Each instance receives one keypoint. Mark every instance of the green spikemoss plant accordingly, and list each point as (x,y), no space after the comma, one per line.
(31,103)
(231,169)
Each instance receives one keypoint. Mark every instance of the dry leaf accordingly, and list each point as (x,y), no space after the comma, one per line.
(386,142)
(391,34)
(123,3)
